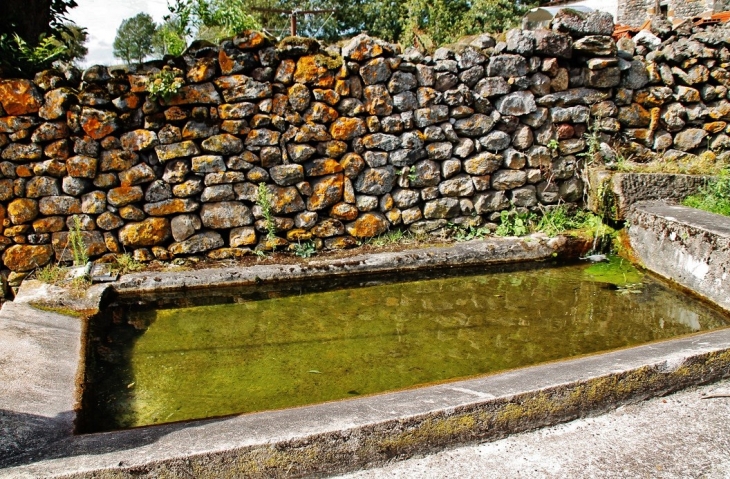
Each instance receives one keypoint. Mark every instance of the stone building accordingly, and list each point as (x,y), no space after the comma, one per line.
(636,12)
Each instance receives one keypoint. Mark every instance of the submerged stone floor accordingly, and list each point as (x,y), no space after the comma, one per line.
(683,435)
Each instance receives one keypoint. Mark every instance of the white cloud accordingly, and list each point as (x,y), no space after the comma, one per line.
(102,18)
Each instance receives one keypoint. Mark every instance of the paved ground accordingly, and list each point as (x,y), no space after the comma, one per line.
(685,435)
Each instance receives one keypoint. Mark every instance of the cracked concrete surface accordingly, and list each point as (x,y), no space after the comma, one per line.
(683,435)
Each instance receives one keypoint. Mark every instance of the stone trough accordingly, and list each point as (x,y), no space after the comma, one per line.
(41,354)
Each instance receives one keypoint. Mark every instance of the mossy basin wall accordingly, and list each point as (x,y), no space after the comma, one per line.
(230,352)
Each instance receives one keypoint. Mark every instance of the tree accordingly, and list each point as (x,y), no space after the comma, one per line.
(496,15)
(168,39)
(211,20)
(33,34)
(134,38)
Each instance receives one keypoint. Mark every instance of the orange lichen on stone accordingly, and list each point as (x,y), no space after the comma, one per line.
(309,71)
(368,225)
(150,232)
(19,97)
(345,128)
(27,257)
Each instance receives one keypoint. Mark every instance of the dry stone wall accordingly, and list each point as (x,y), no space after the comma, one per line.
(349,142)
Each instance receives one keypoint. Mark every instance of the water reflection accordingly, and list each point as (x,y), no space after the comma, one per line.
(175,363)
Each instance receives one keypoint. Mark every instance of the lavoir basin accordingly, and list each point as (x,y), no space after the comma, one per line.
(177,357)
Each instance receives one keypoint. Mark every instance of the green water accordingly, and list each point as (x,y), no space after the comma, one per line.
(171,364)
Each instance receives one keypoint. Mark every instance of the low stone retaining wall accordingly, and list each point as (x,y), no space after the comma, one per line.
(611,194)
(685,245)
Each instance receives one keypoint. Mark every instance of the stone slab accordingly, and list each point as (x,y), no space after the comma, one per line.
(40,354)
(688,246)
(613,193)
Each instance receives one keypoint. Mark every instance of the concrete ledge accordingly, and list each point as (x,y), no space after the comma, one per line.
(484,252)
(364,432)
(685,245)
(612,193)
(40,357)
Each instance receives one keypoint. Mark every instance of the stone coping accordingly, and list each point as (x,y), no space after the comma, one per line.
(325,438)
(688,246)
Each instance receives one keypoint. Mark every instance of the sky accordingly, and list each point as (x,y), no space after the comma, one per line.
(103,17)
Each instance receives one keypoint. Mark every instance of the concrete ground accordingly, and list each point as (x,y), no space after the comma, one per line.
(683,435)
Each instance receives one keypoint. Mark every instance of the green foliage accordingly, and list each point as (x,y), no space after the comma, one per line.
(714,196)
(616,271)
(389,237)
(134,38)
(470,233)
(165,83)
(263,199)
(33,36)
(168,40)
(211,20)
(125,263)
(410,173)
(495,15)
(559,219)
(76,243)
(513,223)
(553,144)
(51,274)
(304,250)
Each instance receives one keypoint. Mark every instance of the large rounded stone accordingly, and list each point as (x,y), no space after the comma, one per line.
(225,214)
(285,200)
(517,103)
(376,181)
(22,210)
(150,232)
(199,243)
(326,191)
(368,225)
(347,128)
(689,139)
(27,257)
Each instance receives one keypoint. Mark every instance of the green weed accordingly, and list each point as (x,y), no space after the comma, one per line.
(304,250)
(125,263)
(514,224)
(714,196)
(76,242)
(389,237)
(51,274)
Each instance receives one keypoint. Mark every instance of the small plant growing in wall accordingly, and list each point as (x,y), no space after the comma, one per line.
(76,243)
(165,84)
(410,173)
(263,199)
(553,144)
(305,250)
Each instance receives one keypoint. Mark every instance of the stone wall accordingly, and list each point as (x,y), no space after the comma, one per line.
(636,12)
(349,142)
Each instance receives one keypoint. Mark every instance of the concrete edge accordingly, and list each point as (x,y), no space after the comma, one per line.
(536,247)
(686,246)
(366,432)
